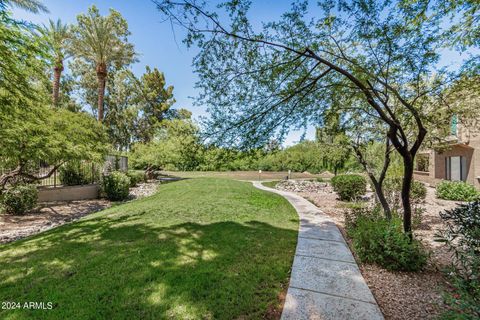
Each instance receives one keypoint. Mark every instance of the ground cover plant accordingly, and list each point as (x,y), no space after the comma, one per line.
(457,190)
(462,237)
(116,186)
(19,199)
(198,249)
(349,186)
(378,240)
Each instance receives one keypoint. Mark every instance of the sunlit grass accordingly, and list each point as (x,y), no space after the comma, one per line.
(198,249)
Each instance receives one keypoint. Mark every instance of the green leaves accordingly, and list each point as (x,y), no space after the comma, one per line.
(102,39)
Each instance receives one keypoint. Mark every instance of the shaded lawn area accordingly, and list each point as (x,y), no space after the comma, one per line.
(198,249)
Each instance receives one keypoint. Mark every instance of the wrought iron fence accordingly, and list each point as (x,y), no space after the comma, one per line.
(88,172)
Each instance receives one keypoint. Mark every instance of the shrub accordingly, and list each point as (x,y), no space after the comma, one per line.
(136,177)
(71,174)
(349,186)
(380,241)
(116,186)
(462,237)
(358,210)
(20,199)
(392,187)
(456,190)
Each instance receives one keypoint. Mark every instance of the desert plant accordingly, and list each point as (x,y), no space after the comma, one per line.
(116,186)
(349,186)
(392,187)
(19,199)
(462,237)
(457,191)
(380,241)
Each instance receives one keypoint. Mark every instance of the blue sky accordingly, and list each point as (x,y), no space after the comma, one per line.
(154,41)
(157,46)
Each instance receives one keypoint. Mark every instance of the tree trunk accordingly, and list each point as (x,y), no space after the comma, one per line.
(102,79)
(405,195)
(381,198)
(377,183)
(57,73)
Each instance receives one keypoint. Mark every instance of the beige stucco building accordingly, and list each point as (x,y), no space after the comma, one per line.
(458,159)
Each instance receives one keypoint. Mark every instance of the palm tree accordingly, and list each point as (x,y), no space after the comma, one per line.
(102,42)
(57,36)
(34,6)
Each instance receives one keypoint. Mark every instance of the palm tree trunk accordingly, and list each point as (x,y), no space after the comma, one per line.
(57,73)
(102,79)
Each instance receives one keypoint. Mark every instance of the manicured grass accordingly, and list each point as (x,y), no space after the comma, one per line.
(242,175)
(198,249)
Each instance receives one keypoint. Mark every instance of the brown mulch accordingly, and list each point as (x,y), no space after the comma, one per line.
(46,216)
(401,295)
(49,215)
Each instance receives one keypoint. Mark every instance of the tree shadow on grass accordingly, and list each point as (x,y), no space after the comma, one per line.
(123,269)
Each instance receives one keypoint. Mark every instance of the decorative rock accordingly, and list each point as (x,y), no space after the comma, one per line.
(303,186)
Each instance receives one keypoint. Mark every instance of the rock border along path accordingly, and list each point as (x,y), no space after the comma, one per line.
(325,282)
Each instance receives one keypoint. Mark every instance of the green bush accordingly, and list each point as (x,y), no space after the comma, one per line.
(349,186)
(116,186)
(462,237)
(456,190)
(20,199)
(136,177)
(380,241)
(392,187)
(71,174)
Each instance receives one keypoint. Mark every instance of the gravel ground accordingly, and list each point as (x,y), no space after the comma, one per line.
(49,215)
(400,295)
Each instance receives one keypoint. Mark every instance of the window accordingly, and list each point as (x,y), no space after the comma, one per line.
(456,168)
(422,163)
(453,125)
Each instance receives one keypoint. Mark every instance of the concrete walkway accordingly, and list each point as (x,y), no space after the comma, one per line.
(326,282)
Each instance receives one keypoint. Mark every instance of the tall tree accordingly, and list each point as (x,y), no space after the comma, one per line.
(258,82)
(154,100)
(461,19)
(22,63)
(57,36)
(34,6)
(102,42)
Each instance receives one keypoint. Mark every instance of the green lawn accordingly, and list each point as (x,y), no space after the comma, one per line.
(243,175)
(198,249)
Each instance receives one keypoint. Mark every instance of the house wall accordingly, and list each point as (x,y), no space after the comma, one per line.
(466,143)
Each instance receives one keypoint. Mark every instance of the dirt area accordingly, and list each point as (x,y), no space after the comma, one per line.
(49,215)
(400,295)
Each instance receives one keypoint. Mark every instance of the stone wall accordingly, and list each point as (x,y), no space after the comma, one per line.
(90,191)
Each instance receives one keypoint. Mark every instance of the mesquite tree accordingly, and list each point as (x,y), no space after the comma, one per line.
(262,82)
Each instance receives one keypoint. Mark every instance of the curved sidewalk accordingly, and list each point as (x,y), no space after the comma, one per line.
(325,282)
